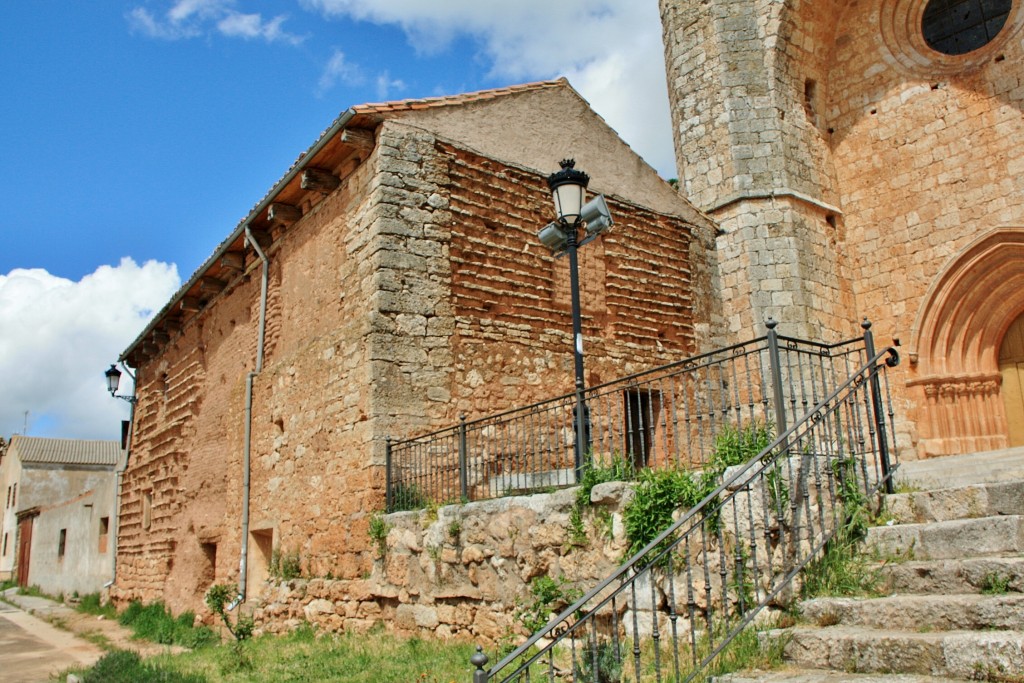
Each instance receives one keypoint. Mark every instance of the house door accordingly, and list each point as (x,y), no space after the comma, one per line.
(1011,366)
(24,548)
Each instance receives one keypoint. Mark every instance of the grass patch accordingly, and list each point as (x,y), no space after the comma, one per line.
(123,666)
(302,656)
(91,603)
(155,622)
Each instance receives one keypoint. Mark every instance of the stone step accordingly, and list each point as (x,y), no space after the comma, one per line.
(817,676)
(962,470)
(920,612)
(982,537)
(969,655)
(964,502)
(971,575)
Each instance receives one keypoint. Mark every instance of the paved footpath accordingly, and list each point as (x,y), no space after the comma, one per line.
(31,650)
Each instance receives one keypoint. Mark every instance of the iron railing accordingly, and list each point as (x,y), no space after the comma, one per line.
(666,417)
(672,608)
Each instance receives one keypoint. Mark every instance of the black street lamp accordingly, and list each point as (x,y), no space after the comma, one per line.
(113,376)
(568,190)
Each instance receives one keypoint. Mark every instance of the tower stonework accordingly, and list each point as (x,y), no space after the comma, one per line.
(862,158)
(753,154)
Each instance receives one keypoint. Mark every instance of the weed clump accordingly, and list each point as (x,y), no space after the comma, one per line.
(156,623)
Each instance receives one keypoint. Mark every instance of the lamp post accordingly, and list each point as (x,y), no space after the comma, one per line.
(568,190)
(113,376)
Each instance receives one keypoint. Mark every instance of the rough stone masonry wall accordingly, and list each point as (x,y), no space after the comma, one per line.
(461,570)
(467,571)
(746,89)
(927,159)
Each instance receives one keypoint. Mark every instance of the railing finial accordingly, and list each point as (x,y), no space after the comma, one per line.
(866,324)
(771,323)
(479,660)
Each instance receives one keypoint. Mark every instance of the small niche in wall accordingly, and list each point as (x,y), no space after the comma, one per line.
(104,533)
(62,543)
(147,510)
(208,570)
(811,100)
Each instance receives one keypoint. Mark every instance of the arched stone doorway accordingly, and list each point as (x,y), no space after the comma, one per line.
(957,342)
(1011,367)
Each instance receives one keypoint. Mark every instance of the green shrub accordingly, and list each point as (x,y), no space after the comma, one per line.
(735,445)
(657,496)
(378,531)
(549,595)
(593,474)
(217,598)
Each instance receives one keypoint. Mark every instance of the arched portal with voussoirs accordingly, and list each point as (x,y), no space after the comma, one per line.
(956,345)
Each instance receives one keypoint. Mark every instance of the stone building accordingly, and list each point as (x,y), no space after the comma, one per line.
(861,159)
(58,519)
(389,282)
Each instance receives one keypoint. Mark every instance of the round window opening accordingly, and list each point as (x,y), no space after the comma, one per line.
(956,27)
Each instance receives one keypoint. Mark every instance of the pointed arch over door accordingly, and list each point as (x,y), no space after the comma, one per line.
(956,342)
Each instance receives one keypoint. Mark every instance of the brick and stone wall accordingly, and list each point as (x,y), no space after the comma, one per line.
(415,292)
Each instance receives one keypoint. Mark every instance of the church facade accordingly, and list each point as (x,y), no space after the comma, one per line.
(860,159)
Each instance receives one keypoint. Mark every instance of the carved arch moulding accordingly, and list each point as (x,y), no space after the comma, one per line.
(954,349)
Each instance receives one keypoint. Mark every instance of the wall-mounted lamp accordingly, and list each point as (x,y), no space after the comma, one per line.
(113,376)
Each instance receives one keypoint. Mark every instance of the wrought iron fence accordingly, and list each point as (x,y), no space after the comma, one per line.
(672,608)
(666,417)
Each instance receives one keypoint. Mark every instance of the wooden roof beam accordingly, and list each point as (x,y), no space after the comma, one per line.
(283,214)
(319,180)
(211,285)
(359,139)
(191,304)
(233,261)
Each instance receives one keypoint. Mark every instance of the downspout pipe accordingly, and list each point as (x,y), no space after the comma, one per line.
(119,476)
(243,562)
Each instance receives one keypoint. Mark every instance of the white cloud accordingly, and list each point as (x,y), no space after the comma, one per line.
(339,70)
(610,50)
(58,336)
(387,86)
(250,26)
(191,18)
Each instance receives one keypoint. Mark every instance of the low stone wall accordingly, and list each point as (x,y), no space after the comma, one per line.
(461,570)
(466,570)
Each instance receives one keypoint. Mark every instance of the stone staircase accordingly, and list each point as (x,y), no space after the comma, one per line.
(955,608)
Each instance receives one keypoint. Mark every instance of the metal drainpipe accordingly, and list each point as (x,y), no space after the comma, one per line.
(243,563)
(117,482)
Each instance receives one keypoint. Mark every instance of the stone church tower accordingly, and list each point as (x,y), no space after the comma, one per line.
(864,158)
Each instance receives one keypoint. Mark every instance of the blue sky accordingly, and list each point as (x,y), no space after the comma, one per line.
(137,134)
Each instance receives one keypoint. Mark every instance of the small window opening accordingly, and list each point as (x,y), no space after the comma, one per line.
(642,407)
(62,543)
(5,546)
